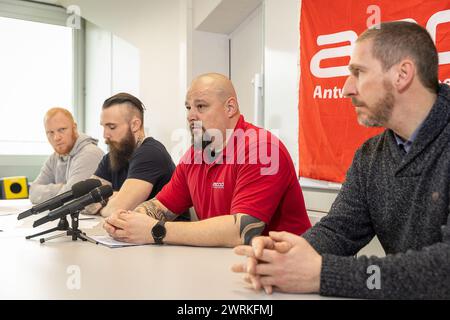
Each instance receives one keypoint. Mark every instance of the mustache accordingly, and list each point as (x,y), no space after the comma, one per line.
(107,141)
(114,144)
(205,141)
(196,125)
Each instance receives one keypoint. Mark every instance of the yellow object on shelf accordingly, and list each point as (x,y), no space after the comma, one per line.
(14,188)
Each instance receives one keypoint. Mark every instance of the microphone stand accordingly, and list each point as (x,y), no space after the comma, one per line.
(63,225)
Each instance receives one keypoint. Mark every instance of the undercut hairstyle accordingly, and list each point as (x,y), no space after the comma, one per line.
(394,41)
(135,105)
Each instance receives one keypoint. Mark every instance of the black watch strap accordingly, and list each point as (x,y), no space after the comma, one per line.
(159,232)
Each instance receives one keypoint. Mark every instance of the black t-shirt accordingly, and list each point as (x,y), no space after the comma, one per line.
(150,162)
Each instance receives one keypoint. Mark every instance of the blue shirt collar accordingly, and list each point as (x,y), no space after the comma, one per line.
(406,145)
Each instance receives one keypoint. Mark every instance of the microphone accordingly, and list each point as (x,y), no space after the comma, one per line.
(96,195)
(78,189)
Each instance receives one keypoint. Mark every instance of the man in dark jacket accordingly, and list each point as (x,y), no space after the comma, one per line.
(397,188)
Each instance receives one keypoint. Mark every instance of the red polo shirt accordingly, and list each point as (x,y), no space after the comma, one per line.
(258,179)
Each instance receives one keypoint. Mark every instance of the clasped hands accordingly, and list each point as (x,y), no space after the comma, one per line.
(130,226)
(280,262)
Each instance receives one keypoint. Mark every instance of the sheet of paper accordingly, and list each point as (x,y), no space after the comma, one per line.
(111,243)
(88,223)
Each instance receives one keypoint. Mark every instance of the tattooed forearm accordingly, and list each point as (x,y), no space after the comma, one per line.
(152,209)
(249,227)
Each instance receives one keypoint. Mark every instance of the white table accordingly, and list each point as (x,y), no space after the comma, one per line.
(66,269)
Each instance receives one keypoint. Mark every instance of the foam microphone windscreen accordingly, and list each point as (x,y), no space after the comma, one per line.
(81,188)
(105,192)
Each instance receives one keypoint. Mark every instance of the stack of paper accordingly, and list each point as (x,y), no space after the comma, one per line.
(110,242)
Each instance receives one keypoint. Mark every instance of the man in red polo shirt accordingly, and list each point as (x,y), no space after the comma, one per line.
(239,178)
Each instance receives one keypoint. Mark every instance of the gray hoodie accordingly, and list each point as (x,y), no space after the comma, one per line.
(59,173)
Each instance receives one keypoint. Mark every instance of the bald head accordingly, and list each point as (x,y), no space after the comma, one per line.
(214,84)
(54,111)
(212,104)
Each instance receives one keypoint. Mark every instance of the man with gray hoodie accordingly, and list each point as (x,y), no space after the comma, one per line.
(75,159)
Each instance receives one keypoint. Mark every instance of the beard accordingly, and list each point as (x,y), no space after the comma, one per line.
(199,139)
(381,110)
(120,152)
(66,148)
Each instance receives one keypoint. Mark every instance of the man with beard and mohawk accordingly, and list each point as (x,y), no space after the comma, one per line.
(75,158)
(239,178)
(136,167)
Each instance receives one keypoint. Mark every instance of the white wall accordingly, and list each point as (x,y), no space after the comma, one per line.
(281,56)
(158,29)
(126,67)
(112,66)
(247,60)
(202,8)
(98,77)
(210,53)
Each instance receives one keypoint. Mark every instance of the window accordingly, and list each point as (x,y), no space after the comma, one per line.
(38,72)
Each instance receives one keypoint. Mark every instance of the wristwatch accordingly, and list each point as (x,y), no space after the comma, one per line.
(159,232)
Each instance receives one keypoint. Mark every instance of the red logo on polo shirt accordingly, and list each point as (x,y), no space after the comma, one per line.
(218,185)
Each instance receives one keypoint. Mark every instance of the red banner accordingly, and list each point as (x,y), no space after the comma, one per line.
(329,132)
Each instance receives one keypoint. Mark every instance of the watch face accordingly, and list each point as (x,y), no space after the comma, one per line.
(158,231)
